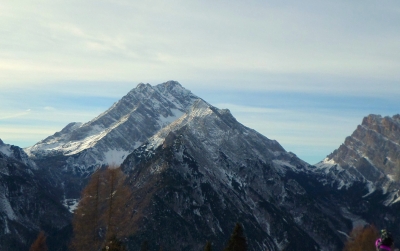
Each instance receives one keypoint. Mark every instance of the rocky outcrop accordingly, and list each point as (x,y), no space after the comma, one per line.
(371,154)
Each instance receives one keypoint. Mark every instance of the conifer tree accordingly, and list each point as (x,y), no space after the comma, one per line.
(113,244)
(237,242)
(144,246)
(102,212)
(117,198)
(362,239)
(40,243)
(208,246)
(86,221)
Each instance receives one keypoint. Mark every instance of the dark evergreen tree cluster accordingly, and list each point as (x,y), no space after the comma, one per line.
(40,243)
(113,244)
(362,239)
(237,242)
(208,246)
(145,246)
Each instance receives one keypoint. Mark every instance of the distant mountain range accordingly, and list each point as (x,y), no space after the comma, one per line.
(195,171)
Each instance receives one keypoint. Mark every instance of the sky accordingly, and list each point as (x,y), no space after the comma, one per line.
(304,73)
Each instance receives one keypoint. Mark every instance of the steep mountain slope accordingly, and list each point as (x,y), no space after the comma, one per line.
(197,177)
(371,155)
(26,205)
(109,138)
(70,156)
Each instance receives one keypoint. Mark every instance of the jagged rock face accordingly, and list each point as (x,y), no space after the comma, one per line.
(109,138)
(200,175)
(369,158)
(377,142)
(26,205)
(371,154)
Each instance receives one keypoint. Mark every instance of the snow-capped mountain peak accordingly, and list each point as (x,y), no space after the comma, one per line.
(118,131)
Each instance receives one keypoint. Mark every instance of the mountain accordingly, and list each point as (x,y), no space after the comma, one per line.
(371,155)
(110,137)
(197,177)
(26,204)
(73,154)
(195,171)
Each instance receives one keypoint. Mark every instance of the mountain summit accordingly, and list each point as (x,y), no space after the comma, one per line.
(110,137)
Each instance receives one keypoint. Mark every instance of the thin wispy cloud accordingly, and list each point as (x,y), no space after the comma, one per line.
(85,55)
(49,108)
(141,40)
(7,115)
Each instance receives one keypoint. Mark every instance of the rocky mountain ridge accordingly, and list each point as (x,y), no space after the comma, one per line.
(73,154)
(110,137)
(370,155)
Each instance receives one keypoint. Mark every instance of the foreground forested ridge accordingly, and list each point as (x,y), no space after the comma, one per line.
(102,218)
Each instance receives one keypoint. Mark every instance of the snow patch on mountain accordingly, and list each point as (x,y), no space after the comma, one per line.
(164,121)
(5,205)
(396,199)
(283,165)
(71,204)
(71,147)
(371,188)
(327,164)
(199,109)
(114,157)
(356,220)
(6,150)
